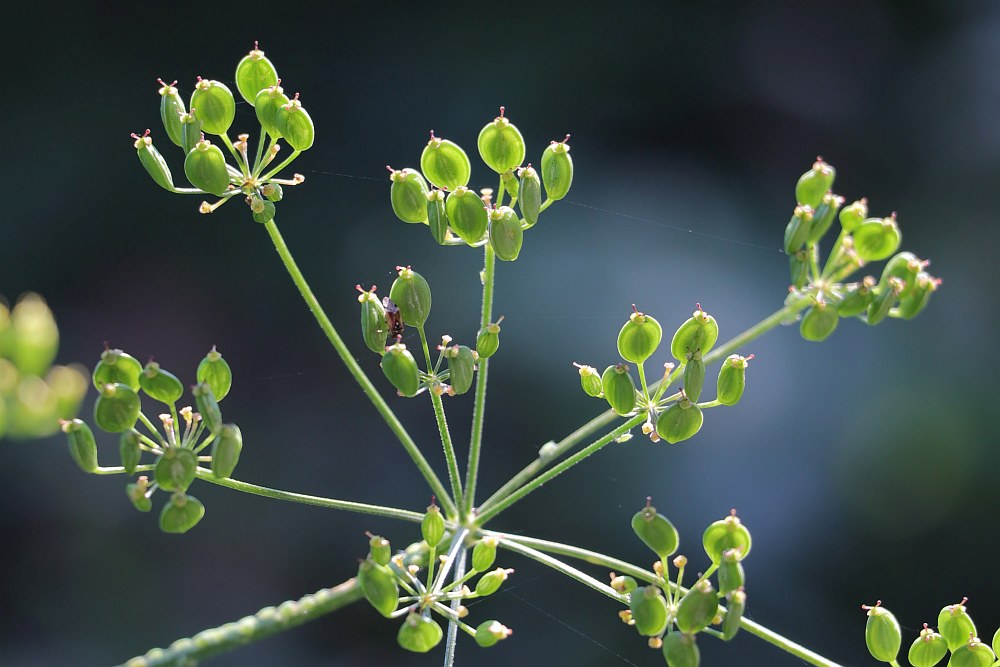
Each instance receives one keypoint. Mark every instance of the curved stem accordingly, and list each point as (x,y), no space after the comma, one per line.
(359,375)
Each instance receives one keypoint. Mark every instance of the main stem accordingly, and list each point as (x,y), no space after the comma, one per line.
(359,375)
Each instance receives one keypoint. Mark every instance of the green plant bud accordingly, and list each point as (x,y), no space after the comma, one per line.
(484,553)
(432,526)
(996,642)
(378,584)
(262,211)
(128,449)
(226,451)
(419,633)
(639,337)
(82,446)
(171,109)
(875,238)
(680,421)
(213,103)
(267,103)
(798,266)
(467,215)
(697,334)
(205,168)
(489,633)
(883,301)
(797,230)
(649,610)
(681,650)
(160,385)
(655,531)
(191,132)
(138,494)
(272,192)
(530,199)
(380,552)
(445,164)
(295,124)
(624,584)
(824,216)
(409,195)
(557,169)
(736,604)
(117,367)
(208,406)
(694,377)
(732,379)
(117,408)
(400,368)
(590,380)
(955,625)
(490,582)
(462,364)
(506,234)
(501,145)
(730,574)
(510,184)
(214,371)
(153,162)
(255,73)
(437,216)
(175,469)
(819,322)
(852,216)
(857,298)
(974,653)
(181,514)
(373,323)
(619,389)
(488,340)
(413,296)
(927,649)
(725,534)
(815,183)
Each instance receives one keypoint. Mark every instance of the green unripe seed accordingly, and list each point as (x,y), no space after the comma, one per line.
(927,649)
(694,377)
(490,582)
(137,494)
(129,450)
(214,371)
(857,298)
(510,184)
(736,604)
(208,406)
(437,216)
(506,234)
(619,389)
(815,183)
(467,215)
(680,421)
(488,340)
(171,109)
(400,368)
(655,531)
(117,367)
(262,211)
(181,514)
(273,192)
(852,216)
(697,608)
(295,124)
(213,103)
(462,364)
(501,145)
(884,299)
(590,381)
(726,534)
(160,385)
(557,169)
(730,574)
(191,132)
(798,266)
(697,334)
(681,650)
(484,554)
(267,103)
(419,633)
(824,216)
(445,164)
(875,239)
(380,551)
(255,73)
(374,328)
(226,451)
(797,230)
(153,162)
(972,654)
(882,634)
(906,266)
(732,379)
(411,293)
(175,469)
(649,610)
(117,408)
(819,322)
(432,526)
(378,584)
(530,199)
(82,446)
(639,337)
(955,625)
(624,584)
(489,633)
(205,168)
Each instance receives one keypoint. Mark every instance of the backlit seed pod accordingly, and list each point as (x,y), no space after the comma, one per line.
(181,514)
(927,649)
(437,216)
(419,633)
(905,266)
(171,109)
(208,406)
(680,650)
(128,449)
(484,554)
(226,451)
(400,368)
(445,164)
(530,199)
(973,653)
(882,634)
(272,191)
(117,408)
(955,625)
(117,367)
(191,132)
(877,238)
(488,340)
(798,266)
(697,608)
(489,633)
(490,582)
(730,574)
(153,162)
(732,379)
(175,469)
(137,494)
(819,322)
(655,531)
(883,301)
(639,337)
(506,234)
(462,364)
(411,293)
(213,103)
(856,298)
(697,334)
(266,104)
(510,184)
(160,385)
(378,584)
(501,145)
(467,215)
(678,422)
(205,168)
(214,371)
(590,380)
(797,230)
(432,526)
(852,216)
(255,73)
(624,584)
(725,534)
(262,211)
(694,377)
(823,218)
(295,124)
(82,446)
(379,550)
(815,183)
(373,324)
(557,169)
(736,604)
(619,389)
(649,610)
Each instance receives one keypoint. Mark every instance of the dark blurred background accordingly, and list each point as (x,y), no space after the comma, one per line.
(865,466)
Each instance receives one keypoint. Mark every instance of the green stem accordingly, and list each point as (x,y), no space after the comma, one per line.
(260,149)
(451,643)
(119,470)
(785,644)
(152,429)
(834,252)
(562,567)
(281,166)
(244,167)
(359,375)
(442,422)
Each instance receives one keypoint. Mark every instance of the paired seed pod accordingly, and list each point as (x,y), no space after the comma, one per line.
(262,211)
(972,654)
(490,582)
(445,164)
(697,608)
(82,446)
(510,184)
(506,234)
(175,469)
(694,377)
(852,216)
(484,554)
(819,322)
(226,451)
(255,73)
(530,198)
(214,371)
(205,168)
(489,633)
(656,531)
(488,340)
(411,293)
(295,124)
(208,406)
(273,192)
(117,367)
(557,169)
(467,215)
(726,534)
(876,239)
(798,265)
(267,103)
(884,299)
(373,322)
(462,364)
(882,634)
(160,385)
(911,304)
(191,132)
(181,514)
(649,611)
(619,389)
(153,162)
(590,381)
(857,298)
(129,451)
(171,109)
(419,633)
(927,649)
(731,575)
(117,408)
(955,625)
(823,218)
(501,145)
(697,334)
(732,379)
(736,604)
(681,650)
(409,195)
(379,551)
(213,103)
(432,526)
(639,337)
(400,368)
(680,421)
(437,216)
(797,230)
(138,495)
(378,584)
(815,183)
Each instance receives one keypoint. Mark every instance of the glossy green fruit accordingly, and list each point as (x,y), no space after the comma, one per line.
(129,450)
(619,389)
(819,322)
(490,582)
(506,234)
(974,653)
(175,469)
(639,337)
(798,266)
(624,584)
(82,446)
(656,531)
(852,216)
(273,192)
(649,610)
(171,110)
(903,265)
(694,377)
(373,324)
(815,183)
(484,554)
(412,295)
(501,145)
(295,124)
(467,215)
(697,608)
(697,334)
(213,103)
(927,649)
(797,230)
(205,168)
(117,408)
(730,573)
(489,633)
(262,210)
(400,368)
(530,199)
(255,73)
(488,340)
(419,633)
(409,195)
(462,364)
(181,514)
(226,451)
(680,650)
(736,604)
(138,494)
(857,298)
(208,406)
(955,625)
(824,216)
(590,381)
(875,239)
(732,379)
(437,216)
(557,169)
(725,534)
(160,385)
(884,299)
(445,164)
(191,132)
(117,367)
(432,526)
(153,162)
(214,371)
(378,584)
(680,421)
(510,184)
(380,550)
(267,103)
